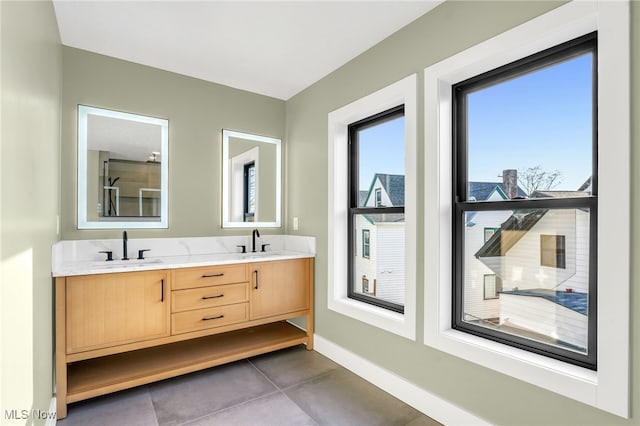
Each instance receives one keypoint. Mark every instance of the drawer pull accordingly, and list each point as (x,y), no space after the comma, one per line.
(212,318)
(217,296)
(213,275)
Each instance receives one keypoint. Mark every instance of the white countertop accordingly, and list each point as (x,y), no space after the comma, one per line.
(83,257)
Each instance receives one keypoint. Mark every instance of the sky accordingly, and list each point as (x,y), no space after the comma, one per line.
(539,119)
(381,151)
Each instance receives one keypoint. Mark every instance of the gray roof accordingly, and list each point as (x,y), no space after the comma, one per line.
(362,198)
(393,185)
(558,194)
(480,191)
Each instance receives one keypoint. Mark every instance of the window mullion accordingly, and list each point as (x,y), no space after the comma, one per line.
(528,203)
(376,210)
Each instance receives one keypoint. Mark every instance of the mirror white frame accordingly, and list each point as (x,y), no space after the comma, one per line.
(129,222)
(227,222)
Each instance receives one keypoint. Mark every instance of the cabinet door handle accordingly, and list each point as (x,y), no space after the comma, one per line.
(162,291)
(256,272)
(213,275)
(212,318)
(217,296)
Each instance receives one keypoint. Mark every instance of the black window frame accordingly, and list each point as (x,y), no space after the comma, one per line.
(354,197)
(246,189)
(540,60)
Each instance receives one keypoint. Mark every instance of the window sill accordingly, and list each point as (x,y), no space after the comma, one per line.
(385,319)
(557,376)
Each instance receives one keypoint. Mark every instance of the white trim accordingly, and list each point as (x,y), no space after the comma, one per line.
(401,92)
(53,409)
(426,402)
(608,388)
(235,199)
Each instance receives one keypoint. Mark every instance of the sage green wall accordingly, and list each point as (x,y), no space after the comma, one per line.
(448,29)
(31,76)
(197,112)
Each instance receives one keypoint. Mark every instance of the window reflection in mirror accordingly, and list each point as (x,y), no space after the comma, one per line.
(251,180)
(122,170)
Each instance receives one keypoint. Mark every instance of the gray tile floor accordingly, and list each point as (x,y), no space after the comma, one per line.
(289,387)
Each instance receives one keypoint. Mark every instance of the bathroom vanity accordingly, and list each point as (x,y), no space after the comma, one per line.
(120,324)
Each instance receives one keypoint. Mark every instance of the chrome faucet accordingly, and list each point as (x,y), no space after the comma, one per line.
(254,234)
(124,245)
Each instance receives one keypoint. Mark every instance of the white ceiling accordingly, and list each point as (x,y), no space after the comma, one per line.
(275,48)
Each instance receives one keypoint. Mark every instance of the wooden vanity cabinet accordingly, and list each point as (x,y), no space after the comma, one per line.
(120,330)
(278,288)
(114,309)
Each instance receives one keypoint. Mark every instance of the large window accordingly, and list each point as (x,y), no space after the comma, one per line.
(533,123)
(606,388)
(344,243)
(376,208)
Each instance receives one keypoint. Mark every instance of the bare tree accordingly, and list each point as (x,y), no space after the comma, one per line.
(536,179)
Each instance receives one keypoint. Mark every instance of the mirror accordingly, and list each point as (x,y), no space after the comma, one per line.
(122,170)
(251,180)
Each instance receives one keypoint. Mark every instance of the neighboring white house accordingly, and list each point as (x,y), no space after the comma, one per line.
(541,257)
(481,284)
(379,241)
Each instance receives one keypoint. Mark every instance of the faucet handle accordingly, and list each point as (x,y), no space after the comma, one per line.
(141,253)
(243,247)
(109,254)
(264,246)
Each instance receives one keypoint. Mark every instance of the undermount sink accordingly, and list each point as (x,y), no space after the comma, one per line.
(131,263)
(261,254)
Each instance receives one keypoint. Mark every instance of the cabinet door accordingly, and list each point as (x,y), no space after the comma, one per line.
(279,287)
(112,309)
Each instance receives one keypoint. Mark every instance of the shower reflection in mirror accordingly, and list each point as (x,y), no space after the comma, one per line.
(122,169)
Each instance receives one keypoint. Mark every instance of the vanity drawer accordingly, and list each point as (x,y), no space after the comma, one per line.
(201,319)
(208,275)
(207,297)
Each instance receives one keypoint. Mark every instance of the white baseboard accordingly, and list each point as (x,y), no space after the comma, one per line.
(53,408)
(420,399)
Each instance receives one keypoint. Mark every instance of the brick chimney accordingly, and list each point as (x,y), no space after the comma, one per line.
(510,182)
